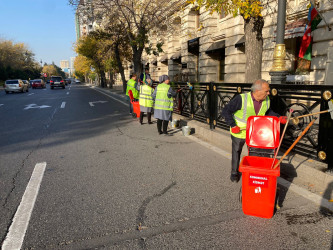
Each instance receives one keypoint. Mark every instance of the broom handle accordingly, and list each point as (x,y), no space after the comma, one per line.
(284,131)
(295,142)
(317,113)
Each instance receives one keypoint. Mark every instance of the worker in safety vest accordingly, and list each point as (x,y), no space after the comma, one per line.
(236,113)
(146,100)
(163,107)
(131,85)
(144,76)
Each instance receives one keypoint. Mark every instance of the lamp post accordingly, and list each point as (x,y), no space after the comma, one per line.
(278,72)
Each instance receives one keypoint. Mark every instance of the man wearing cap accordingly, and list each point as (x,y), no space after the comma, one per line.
(236,113)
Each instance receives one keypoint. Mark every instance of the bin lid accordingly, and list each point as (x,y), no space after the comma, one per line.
(263,132)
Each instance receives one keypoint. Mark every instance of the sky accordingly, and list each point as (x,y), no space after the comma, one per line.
(47,27)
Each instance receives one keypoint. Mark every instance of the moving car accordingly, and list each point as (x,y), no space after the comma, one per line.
(38,83)
(16,85)
(57,81)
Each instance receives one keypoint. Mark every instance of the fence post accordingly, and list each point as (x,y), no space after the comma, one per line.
(325,133)
(192,101)
(212,105)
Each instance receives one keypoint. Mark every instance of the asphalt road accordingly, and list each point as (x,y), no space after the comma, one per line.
(112,183)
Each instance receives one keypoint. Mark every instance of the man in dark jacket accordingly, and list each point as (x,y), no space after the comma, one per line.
(236,113)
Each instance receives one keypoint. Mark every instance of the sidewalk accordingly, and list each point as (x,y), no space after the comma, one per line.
(296,171)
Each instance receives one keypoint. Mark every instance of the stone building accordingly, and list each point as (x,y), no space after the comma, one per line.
(211,47)
(200,46)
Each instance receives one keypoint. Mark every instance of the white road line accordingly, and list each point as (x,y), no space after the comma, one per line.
(18,228)
(31,93)
(111,97)
(63,104)
(298,190)
(67,93)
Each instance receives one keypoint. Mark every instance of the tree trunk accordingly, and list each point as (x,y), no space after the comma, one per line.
(253,48)
(137,53)
(102,73)
(120,67)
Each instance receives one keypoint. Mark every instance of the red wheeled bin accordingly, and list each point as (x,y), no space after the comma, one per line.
(259,180)
(135,104)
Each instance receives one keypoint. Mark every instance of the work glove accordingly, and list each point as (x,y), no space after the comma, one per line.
(235,130)
(283,119)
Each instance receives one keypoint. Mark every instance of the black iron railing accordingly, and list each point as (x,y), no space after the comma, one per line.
(204,102)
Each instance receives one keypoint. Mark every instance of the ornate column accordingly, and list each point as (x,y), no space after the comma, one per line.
(278,72)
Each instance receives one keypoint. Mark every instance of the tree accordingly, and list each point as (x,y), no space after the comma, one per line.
(82,66)
(50,70)
(250,10)
(136,19)
(90,47)
(17,61)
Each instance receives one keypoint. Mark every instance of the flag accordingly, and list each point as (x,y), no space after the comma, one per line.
(313,21)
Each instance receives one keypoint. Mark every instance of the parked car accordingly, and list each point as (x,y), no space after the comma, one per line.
(38,83)
(68,81)
(16,85)
(57,81)
(77,81)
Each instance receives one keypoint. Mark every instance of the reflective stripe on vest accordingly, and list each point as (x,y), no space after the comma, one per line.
(162,101)
(246,111)
(146,99)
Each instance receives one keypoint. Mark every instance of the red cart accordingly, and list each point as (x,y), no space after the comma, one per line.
(135,104)
(259,180)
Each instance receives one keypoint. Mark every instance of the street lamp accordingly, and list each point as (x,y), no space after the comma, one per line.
(278,72)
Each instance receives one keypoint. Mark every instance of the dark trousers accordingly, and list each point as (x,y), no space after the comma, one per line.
(148,116)
(130,105)
(159,126)
(237,146)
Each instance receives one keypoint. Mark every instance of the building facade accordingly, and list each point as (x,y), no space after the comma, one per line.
(208,47)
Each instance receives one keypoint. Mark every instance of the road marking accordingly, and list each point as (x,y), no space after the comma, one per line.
(67,93)
(18,228)
(31,93)
(110,97)
(1,104)
(92,103)
(298,190)
(35,106)
(63,104)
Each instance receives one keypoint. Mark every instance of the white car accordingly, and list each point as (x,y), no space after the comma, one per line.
(77,81)
(16,85)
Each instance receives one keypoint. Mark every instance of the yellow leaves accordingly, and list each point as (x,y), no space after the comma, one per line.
(246,8)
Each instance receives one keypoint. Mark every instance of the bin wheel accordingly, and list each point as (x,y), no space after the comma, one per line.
(134,115)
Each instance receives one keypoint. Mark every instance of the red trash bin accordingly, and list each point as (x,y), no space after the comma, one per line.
(259,180)
(135,105)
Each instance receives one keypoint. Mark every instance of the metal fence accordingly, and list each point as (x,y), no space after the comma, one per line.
(204,102)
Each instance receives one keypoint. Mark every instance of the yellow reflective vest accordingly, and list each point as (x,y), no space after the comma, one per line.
(246,111)
(131,86)
(146,99)
(162,101)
